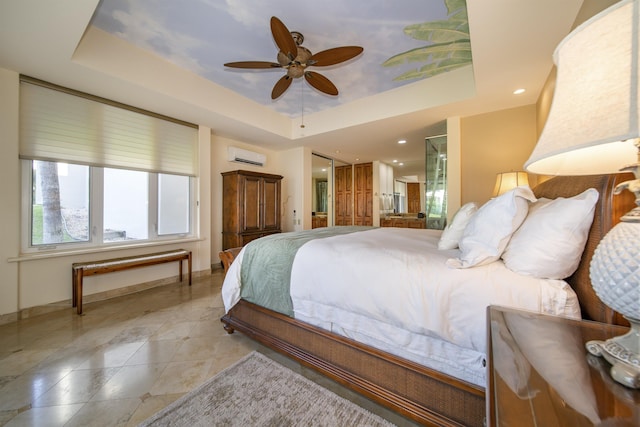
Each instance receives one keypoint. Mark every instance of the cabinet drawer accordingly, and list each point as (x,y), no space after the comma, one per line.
(246,238)
(415,223)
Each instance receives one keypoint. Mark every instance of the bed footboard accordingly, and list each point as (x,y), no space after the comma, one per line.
(421,394)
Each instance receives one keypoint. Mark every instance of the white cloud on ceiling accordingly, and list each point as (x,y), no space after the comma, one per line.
(202,35)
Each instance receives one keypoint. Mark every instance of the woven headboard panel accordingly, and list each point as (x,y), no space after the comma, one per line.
(608,211)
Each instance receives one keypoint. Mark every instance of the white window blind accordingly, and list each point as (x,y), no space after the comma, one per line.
(56,125)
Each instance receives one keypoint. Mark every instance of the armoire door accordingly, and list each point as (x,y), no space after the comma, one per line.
(413,197)
(251,203)
(343,195)
(363,200)
(271,206)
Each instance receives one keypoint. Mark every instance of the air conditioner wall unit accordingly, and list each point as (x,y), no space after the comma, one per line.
(240,155)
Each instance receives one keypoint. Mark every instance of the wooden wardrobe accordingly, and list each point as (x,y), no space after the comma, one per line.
(250,206)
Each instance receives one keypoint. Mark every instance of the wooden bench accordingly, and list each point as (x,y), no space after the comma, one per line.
(91,268)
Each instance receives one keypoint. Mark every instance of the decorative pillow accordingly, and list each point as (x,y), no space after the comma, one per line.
(453,231)
(550,242)
(489,230)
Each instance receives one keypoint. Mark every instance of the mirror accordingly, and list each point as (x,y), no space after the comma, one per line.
(400,197)
(321,191)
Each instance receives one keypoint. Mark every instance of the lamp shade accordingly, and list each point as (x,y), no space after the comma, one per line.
(506,181)
(594,113)
(592,128)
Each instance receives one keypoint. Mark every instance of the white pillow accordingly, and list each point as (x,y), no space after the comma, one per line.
(490,229)
(453,231)
(550,242)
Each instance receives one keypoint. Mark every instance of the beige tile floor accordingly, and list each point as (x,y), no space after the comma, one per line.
(125,358)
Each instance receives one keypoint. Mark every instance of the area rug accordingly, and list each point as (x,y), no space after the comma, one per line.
(257,391)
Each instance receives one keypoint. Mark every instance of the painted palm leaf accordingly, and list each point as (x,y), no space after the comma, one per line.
(433,69)
(439,31)
(449,47)
(456,7)
(435,51)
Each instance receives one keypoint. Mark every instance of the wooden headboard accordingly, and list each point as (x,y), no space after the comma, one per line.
(608,211)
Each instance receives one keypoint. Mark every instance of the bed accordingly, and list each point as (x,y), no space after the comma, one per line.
(379,368)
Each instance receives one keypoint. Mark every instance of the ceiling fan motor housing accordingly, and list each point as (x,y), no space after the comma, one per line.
(295,68)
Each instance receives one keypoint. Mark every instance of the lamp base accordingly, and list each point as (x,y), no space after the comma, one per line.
(623,353)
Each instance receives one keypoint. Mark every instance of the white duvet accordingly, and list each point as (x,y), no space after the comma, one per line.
(390,287)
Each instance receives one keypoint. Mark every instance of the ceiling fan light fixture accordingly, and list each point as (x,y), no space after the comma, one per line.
(295,58)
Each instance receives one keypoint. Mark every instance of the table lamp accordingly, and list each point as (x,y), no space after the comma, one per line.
(506,181)
(593,128)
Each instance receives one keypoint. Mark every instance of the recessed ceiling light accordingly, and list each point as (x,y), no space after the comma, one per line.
(395,161)
(402,141)
(518,91)
(401,164)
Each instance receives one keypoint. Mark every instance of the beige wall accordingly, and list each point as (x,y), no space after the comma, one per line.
(454,157)
(295,166)
(9,190)
(491,143)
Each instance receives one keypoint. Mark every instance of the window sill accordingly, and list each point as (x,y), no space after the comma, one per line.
(32,256)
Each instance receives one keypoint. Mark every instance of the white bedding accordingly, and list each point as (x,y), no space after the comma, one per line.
(390,288)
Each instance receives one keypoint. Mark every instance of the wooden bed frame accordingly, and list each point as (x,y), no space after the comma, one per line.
(421,394)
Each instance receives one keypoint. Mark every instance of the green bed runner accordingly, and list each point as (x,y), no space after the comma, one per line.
(266,265)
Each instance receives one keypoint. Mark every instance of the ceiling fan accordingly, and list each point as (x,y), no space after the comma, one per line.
(295,58)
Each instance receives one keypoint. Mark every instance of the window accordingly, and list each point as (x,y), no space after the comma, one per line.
(173,204)
(59,203)
(97,173)
(125,204)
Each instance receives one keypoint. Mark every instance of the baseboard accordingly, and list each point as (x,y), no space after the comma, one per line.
(26,313)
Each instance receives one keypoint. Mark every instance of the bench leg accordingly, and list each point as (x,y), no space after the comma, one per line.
(77,289)
(189,265)
(74,294)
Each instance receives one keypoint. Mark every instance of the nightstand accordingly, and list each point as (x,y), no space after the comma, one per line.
(540,374)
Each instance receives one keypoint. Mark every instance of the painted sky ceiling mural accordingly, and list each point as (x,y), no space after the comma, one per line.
(403,41)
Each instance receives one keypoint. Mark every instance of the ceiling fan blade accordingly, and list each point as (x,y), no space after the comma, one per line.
(321,83)
(283,38)
(334,56)
(252,64)
(280,86)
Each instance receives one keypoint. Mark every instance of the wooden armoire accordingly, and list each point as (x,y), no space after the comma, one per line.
(250,206)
